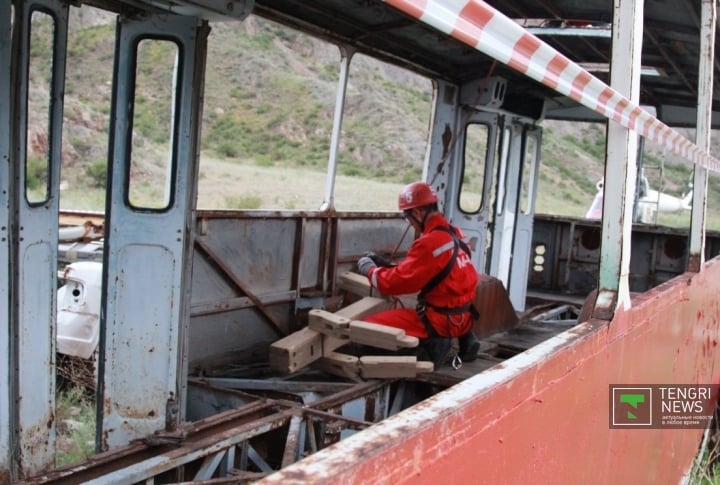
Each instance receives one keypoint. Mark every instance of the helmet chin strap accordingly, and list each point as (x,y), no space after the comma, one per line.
(421,223)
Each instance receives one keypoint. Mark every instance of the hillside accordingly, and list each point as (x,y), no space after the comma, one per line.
(267,119)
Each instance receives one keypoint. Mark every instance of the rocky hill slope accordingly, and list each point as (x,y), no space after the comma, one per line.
(269,101)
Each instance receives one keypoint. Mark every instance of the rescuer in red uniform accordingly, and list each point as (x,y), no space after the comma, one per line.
(438,266)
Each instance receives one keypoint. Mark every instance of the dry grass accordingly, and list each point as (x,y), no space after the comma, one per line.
(231,185)
(225,184)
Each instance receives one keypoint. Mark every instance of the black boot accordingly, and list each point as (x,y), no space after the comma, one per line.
(469,346)
(437,349)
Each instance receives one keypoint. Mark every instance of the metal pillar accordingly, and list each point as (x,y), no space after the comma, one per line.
(346,54)
(5,103)
(620,163)
(702,134)
(143,333)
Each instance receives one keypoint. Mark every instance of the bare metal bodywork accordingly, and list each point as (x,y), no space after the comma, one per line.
(191,299)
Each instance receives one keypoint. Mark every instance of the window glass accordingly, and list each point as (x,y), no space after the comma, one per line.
(38,129)
(528,184)
(474,158)
(151,163)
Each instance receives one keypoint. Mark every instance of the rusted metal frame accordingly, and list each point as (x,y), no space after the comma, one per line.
(359,390)
(669,60)
(234,478)
(621,152)
(245,477)
(335,400)
(556,13)
(691,5)
(144,450)
(321,276)
(274,384)
(31,244)
(258,460)
(227,272)
(696,257)
(243,456)
(298,249)
(553,259)
(209,465)
(312,439)
(227,464)
(571,246)
(549,314)
(333,251)
(293,448)
(397,402)
(6,372)
(652,270)
(350,423)
(193,450)
(240,302)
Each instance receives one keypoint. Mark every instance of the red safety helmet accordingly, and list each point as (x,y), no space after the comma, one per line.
(416,194)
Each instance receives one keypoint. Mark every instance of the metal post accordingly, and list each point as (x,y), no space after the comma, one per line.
(345,57)
(702,134)
(619,187)
(5,103)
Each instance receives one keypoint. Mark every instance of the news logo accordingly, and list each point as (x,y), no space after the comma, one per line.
(632,407)
(662,405)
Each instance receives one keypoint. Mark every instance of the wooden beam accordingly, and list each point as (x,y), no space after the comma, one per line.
(364,307)
(392,366)
(380,336)
(372,366)
(296,350)
(356,284)
(327,332)
(338,364)
(365,333)
(329,323)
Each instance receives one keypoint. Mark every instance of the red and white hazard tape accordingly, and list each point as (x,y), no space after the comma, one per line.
(479,25)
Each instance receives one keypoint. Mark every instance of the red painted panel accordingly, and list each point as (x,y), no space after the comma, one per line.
(542,416)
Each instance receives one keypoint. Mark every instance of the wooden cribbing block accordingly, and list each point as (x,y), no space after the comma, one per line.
(354,283)
(296,350)
(327,332)
(338,364)
(390,366)
(364,307)
(366,333)
(329,323)
(380,336)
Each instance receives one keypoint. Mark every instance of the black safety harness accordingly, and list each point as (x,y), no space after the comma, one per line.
(422,305)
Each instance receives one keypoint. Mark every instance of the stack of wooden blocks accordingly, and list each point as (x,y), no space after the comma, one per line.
(326,332)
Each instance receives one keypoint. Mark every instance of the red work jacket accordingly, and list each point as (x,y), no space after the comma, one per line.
(426,258)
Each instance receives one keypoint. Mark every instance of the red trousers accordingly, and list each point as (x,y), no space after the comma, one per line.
(407,319)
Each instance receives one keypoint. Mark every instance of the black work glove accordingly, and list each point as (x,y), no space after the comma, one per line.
(379,260)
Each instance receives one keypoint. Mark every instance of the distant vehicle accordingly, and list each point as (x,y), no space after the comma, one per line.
(78,313)
(650,202)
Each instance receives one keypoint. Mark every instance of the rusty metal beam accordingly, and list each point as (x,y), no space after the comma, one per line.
(292,442)
(228,272)
(663,52)
(620,162)
(698,215)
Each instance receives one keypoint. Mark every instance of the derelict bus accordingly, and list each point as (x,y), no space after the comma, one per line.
(193,301)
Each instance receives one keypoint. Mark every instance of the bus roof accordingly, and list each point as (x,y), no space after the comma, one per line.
(580,30)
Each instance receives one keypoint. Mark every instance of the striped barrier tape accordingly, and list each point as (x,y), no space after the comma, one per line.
(480,26)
